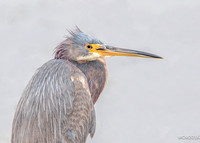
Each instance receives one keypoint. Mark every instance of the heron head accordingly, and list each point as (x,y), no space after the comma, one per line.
(81,47)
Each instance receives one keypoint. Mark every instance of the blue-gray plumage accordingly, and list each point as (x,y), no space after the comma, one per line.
(57,106)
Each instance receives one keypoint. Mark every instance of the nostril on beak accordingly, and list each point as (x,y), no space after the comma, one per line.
(100,49)
(103,47)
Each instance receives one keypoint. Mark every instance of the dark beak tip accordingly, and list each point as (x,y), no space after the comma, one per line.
(158,57)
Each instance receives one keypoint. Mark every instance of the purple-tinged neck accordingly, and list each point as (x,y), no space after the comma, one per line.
(96,74)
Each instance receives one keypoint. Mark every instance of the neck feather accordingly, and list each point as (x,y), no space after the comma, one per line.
(96,74)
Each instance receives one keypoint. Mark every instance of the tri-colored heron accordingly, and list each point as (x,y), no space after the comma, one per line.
(57,105)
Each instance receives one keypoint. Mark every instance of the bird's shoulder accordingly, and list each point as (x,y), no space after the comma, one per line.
(57,94)
(59,78)
(60,72)
(60,66)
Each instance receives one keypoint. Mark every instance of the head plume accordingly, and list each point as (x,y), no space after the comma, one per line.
(74,42)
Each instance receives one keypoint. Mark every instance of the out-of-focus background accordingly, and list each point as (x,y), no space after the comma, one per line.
(145,100)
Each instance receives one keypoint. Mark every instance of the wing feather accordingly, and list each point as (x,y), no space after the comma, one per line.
(55,106)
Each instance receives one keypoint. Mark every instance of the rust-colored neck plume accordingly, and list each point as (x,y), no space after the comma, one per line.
(96,74)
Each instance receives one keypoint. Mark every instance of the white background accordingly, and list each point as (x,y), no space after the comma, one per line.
(145,100)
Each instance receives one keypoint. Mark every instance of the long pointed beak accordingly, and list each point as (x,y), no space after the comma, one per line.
(114,51)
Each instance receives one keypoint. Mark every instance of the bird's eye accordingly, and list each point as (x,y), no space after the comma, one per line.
(89,46)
